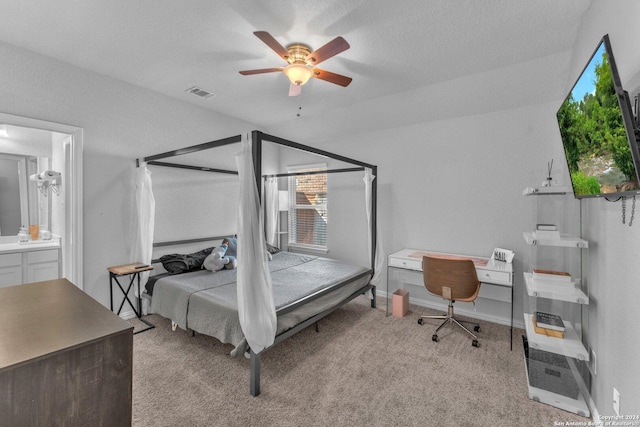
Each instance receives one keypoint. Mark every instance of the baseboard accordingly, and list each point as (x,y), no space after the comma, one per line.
(595,415)
(130,314)
(472,314)
(126,315)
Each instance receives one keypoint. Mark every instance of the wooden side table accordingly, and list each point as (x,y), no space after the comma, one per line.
(133,270)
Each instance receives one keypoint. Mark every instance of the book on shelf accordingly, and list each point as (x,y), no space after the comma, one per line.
(551,275)
(548,321)
(545,331)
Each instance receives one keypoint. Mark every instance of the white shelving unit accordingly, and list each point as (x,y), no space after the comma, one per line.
(577,406)
(564,241)
(533,191)
(556,366)
(570,345)
(569,292)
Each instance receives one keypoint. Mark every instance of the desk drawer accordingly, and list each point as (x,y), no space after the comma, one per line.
(494,276)
(411,264)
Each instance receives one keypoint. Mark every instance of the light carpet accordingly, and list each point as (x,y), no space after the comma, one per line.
(361,369)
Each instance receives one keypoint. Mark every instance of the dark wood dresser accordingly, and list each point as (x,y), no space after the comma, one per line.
(64,358)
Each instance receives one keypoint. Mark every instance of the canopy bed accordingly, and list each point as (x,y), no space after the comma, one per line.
(272,294)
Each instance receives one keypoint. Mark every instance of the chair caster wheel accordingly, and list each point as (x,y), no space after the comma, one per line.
(434,337)
(420,321)
(476,328)
(474,343)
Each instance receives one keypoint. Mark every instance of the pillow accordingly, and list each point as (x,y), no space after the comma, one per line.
(180,263)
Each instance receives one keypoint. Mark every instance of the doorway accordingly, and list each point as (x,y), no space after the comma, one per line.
(66,151)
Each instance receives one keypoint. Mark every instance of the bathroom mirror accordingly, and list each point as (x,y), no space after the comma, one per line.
(21,203)
(23,152)
(14,197)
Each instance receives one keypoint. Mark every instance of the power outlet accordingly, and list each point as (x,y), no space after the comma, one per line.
(616,402)
(594,364)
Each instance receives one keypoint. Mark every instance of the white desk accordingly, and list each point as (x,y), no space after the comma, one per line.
(490,272)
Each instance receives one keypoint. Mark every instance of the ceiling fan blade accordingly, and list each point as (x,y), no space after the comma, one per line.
(295,90)
(260,71)
(330,77)
(272,43)
(325,52)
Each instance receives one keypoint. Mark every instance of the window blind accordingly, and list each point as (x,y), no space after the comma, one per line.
(308,214)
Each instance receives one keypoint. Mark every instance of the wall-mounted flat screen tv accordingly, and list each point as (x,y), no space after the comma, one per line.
(597,129)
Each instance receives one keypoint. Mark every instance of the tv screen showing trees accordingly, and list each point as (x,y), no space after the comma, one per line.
(596,135)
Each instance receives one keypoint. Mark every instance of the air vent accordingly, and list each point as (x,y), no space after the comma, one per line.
(195,90)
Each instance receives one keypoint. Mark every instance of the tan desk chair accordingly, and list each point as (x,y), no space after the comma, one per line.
(454,279)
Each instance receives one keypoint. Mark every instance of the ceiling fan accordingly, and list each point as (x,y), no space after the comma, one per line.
(302,60)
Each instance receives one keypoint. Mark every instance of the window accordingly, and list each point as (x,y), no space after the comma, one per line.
(308,207)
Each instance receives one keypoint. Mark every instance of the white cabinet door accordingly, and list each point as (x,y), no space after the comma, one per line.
(17,268)
(10,276)
(42,265)
(42,271)
(10,269)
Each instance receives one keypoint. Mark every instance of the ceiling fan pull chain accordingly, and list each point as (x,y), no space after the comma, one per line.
(624,207)
(633,210)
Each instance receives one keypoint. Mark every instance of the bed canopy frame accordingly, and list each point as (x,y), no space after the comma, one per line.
(257,140)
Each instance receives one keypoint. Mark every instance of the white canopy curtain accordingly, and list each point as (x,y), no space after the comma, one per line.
(256,307)
(379,255)
(271,202)
(146,208)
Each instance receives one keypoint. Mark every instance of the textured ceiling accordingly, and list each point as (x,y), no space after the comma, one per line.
(410,60)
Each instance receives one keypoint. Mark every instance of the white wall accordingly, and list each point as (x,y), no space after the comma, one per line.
(192,204)
(614,270)
(456,185)
(121,122)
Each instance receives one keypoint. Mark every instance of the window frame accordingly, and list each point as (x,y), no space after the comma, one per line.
(292,187)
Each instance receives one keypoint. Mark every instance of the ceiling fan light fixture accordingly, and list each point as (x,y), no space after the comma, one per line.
(301,61)
(298,74)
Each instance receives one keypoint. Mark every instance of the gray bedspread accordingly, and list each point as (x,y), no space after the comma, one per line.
(206,301)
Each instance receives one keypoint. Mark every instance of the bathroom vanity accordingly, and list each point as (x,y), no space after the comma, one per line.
(32,261)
